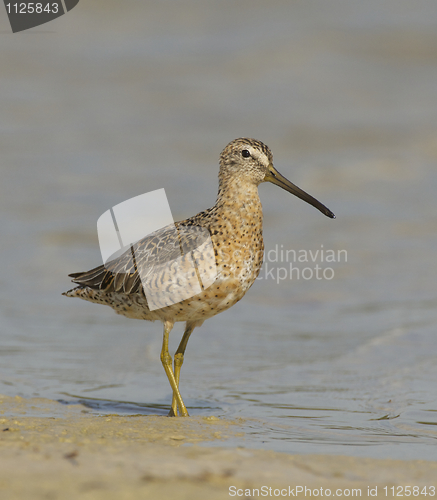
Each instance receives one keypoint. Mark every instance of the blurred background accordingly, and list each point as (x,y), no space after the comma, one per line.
(116,99)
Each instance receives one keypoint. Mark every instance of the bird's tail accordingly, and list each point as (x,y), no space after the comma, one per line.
(74,292)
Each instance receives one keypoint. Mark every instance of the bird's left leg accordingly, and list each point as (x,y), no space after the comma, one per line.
(166,363)
(178,361)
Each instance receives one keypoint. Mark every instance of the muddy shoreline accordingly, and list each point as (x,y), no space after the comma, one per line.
(52,450)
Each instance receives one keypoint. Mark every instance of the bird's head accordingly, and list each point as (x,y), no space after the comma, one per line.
(251,161)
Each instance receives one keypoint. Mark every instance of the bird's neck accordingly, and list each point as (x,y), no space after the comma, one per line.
(239,198)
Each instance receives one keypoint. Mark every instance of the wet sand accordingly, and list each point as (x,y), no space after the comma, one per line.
(51,450)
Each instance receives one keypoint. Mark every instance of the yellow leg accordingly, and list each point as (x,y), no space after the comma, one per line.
(166,363)
(178,361)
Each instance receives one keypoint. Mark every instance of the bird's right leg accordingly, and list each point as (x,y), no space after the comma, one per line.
(178,361)
(167,364)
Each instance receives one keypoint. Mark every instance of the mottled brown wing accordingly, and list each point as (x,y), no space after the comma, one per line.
(124,272)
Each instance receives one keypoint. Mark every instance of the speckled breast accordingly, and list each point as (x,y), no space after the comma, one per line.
(238,248)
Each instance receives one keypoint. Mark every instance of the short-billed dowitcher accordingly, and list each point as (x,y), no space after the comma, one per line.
(234,224)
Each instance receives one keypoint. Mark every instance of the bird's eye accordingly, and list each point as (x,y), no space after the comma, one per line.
(245,153)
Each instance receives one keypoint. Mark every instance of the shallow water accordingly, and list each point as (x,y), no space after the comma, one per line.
(114,100)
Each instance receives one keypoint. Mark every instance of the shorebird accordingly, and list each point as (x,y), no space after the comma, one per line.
(234,225)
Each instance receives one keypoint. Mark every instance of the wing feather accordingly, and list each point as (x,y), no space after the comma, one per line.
(146,258)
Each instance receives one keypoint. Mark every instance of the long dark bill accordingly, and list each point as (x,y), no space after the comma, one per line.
(275,177)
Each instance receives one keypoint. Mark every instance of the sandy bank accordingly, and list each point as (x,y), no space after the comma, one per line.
(50,450)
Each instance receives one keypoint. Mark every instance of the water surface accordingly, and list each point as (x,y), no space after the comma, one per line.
(118,99)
